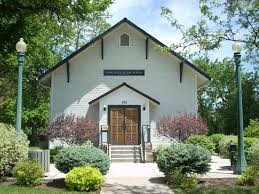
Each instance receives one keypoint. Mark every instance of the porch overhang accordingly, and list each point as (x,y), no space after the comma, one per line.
(124,85)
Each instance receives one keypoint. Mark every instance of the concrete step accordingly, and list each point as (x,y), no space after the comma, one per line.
(125,147)
(133,156)
(125,151)
(135,160)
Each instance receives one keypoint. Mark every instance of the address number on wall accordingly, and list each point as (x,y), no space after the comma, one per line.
(124,102)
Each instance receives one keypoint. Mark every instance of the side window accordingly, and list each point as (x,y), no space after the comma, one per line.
(124,40)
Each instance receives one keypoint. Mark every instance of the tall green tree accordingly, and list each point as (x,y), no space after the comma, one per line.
(217,100)
(51,32)
(225,20)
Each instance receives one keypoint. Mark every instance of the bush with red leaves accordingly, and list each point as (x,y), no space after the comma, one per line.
(182,126)
(72,129)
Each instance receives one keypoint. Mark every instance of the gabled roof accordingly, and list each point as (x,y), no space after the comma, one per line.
(118,87)
(125,20)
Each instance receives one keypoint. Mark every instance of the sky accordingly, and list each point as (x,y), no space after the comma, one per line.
(146,15)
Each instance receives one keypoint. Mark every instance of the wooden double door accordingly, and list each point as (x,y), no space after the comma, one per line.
(124,122)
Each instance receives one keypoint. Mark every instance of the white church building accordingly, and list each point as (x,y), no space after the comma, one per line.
(124,82)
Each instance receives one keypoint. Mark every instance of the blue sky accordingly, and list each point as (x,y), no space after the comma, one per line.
(146,14)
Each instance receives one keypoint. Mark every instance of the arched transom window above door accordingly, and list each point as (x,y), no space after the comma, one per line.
(124,40)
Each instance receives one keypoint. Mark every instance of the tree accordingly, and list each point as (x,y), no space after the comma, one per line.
(180,127)
(72,129)
(49,29)
(217,99)
(235,20)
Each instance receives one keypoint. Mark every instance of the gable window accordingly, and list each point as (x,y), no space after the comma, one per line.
(124,40)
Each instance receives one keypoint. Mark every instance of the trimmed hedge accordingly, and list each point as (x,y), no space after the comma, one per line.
(13,149)
(84,178)
(80,155)
(203,141)
(188,158)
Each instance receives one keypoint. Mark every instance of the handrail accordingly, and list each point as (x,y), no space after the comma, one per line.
(105,140)
(143,153)
(144,140)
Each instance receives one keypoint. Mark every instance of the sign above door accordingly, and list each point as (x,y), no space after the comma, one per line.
(118,72)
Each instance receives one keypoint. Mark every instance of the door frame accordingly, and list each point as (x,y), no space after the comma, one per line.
(126,106)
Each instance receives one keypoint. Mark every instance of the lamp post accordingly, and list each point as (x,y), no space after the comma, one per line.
(241,161)
(21,49)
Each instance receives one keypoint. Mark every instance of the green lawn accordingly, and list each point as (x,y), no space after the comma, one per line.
(251,190)
(11,189)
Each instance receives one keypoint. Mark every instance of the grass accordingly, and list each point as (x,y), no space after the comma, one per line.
(11,189)
(248,190)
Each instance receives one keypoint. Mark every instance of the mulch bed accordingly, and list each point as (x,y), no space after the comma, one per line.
(58,184)
(221,183)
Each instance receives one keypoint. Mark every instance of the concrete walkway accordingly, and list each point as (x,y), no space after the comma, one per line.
(219,168)
(134,178)
(145,178)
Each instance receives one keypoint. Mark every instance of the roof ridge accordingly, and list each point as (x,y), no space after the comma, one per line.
(124,20)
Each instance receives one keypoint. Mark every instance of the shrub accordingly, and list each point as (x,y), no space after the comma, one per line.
(216,138)
(72,129)
(178,179)
(80,155)
(181,127)
(203,141)
(248,177)
(252,130)
(249,141)
(53,153)
(253,154)
(28,173)
(13,149)
(190,158)
(224,145)
(84,178)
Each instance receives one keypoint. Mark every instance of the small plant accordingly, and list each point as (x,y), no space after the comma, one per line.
(84,178)
(28,173)
(248,177)
(13,149)
(180,127)
(190,158)
(216,138)
(80,155)
(203,141)
(178,179)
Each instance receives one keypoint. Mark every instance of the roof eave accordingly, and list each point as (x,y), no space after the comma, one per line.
(125,20)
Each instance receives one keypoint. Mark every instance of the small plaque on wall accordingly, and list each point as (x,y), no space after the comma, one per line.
(111,72)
